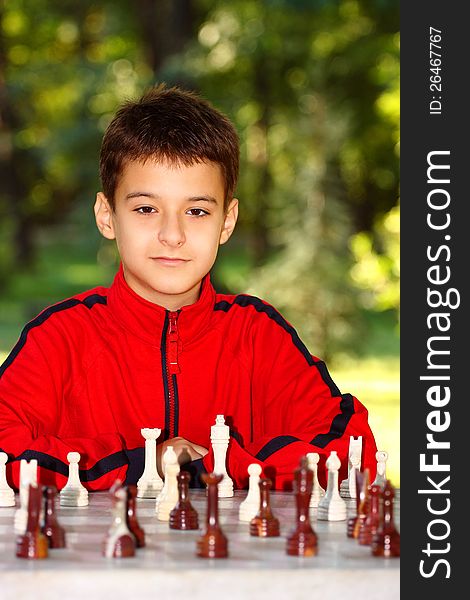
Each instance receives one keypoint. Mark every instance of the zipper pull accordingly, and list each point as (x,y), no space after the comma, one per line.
(173,365)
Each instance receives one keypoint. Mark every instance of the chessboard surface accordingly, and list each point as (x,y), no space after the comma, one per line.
(168,566)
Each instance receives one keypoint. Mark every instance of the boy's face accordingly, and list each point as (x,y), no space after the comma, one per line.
(168,223)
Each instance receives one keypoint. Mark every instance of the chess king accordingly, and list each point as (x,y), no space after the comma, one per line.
(159,347)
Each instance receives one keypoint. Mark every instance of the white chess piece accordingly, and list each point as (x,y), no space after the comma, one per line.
(332,507)
(73,493)
(119,526)
(28,475)
(150,483)
(317,491)
(220,435)
(347,489)
(168,497)
(7,494)
(381,456)
(250,506)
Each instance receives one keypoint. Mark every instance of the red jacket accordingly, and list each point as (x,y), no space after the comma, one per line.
(89,372)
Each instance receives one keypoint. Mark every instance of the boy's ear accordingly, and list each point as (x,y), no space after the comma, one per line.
(231,217)
(104,216)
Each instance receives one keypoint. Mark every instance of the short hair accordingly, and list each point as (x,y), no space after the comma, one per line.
(173,125)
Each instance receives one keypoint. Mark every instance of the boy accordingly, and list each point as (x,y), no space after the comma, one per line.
(159,347)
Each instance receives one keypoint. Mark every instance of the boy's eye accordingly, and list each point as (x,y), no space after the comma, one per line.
(144,210)
(197,212)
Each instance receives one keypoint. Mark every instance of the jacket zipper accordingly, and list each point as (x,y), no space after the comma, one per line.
(171,369)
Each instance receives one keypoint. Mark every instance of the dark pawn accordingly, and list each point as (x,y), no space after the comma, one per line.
(351,524)
(132,522)
(303,540)
(386,541)
(363,509)
(265,524)
(212,543)
(54,533)
(371,523)
(33,543)
(184,515)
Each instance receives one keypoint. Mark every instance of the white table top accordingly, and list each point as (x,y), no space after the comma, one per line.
(169,568)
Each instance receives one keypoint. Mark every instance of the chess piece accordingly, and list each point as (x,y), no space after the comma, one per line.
(7,494)
(150,482)
(332,507)
(73,493)
(381,477)
(119,541)
(264,524)
(303,540)
(250,506)
(28,476)
(55,534)
(168,497)
(363,507)
(220,435)
(184,515)
(212,543)
(386,541)
(132,522)
(33,543)
(371,523)
(317,491)
(351,523)
(347,489)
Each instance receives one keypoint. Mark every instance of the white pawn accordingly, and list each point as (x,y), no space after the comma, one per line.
(7,494)
(150,482)
(332,507)
(73,493)
(381,477)
(220,435)
(317,491)
(168,497)
(28,475)
(347,489)
(250,506)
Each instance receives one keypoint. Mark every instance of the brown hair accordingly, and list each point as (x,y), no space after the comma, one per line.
(169,124)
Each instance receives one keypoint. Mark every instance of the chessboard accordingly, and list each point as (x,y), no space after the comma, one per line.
(168,566)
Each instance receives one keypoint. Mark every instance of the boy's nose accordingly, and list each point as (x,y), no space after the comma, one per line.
(171,232)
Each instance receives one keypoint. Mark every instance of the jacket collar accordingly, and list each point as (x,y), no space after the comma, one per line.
(147,320)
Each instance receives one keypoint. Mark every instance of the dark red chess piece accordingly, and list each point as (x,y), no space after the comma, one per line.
(303,540)
(132,522)
(264,524)
(363,509)
(386,541)
(54,533)
(184,515)
(212,543)
(119,541)
(370,525)
(33,543)
(351,523)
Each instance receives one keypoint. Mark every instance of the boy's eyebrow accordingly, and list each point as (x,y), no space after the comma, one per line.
(204,198)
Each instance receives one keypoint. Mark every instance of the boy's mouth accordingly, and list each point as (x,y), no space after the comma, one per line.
(169,261)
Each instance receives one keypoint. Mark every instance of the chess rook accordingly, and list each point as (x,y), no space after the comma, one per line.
(264,524)
(150,483)
(73,493)
(28,476)
(220,435)
(317,491)
(332,507)
(32,543)
(250,506)
(212,543)
(7,494)
(55,533)
(184,516)
(303,540)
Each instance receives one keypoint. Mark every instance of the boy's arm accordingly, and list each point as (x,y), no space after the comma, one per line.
(296,409)
(31,388)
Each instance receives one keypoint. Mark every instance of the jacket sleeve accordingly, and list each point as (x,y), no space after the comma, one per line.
(31,407)
(296,408)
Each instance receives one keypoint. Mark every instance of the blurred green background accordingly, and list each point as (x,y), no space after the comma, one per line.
(313,89)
